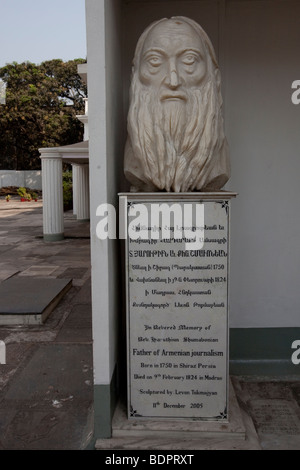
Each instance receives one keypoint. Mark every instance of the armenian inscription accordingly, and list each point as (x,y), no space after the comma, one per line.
(177,321)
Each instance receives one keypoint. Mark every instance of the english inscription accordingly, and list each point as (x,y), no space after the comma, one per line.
(178,323)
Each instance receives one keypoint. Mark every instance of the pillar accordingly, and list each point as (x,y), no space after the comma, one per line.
(53,210)
(74,187)
(86,123)
(83,193)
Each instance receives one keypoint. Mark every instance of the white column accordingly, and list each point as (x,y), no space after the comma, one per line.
(86,122)
(83,192)
(53,210)
(74,187)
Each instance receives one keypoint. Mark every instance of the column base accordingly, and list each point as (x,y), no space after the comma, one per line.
(56,237)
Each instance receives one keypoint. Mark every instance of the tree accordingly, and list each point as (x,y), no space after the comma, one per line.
(40,110)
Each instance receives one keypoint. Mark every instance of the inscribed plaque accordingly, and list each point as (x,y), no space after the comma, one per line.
(177,308)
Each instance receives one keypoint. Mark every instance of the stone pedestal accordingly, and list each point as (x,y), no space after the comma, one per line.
(53,211)
(177,269)
(152,434)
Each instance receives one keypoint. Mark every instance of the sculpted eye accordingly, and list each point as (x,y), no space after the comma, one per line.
(155,61)
(189,59)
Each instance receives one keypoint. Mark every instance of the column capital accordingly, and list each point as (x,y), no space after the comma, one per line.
(79,164)
(50,153)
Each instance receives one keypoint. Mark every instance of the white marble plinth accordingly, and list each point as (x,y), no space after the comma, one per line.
(238,434)
(177,306)
(185,429)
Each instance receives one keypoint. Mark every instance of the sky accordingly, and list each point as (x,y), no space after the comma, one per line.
(39,30)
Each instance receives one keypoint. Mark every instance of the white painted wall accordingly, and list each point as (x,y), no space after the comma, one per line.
(27,179)
(263,128)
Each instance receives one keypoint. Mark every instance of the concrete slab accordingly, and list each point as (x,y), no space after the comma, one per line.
(48,404)
(29,300)
(274,409)
(10,240)
(284,416)
(4,248)
(75,273)
(6,417)
(39,270)
(296,391)
(6,273)
(16,354)
(84,294)
(40,430)
(77,328)
(56,374)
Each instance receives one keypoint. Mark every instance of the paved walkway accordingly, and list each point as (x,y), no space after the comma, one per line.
(46,386)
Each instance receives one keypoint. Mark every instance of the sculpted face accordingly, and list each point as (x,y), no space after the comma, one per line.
(172,60)
(175,138)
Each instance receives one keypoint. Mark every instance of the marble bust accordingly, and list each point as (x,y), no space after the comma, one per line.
(176,138)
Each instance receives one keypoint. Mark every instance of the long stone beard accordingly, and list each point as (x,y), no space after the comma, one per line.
(172,144)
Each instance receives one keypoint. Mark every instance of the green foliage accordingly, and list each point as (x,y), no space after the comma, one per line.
(42,102)
(67,190)
(22,192)
(25,193)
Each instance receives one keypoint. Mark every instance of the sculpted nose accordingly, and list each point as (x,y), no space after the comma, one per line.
(172,79)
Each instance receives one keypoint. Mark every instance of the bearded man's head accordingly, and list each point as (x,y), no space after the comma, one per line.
(176,138)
